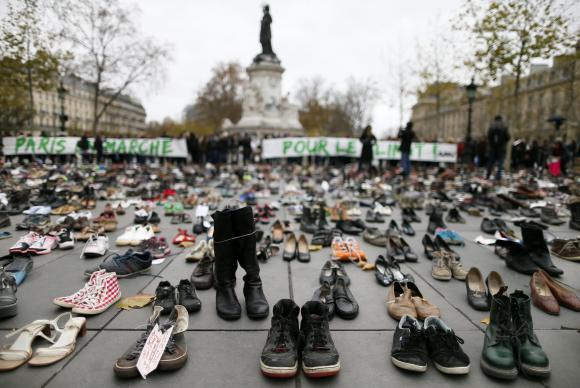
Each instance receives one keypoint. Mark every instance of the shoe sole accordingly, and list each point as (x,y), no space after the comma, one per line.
(408,366)
(536,371)
(9,310)
(173,364)
(66,247)
(437,277)
(133,273)
(506,374)
(279,372)
(126,372)
(95,312)
(317,372)
(228,317)
(575,258)
(456,370)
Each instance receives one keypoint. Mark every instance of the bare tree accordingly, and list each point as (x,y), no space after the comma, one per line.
(401,85)
(359,100)
(108,49)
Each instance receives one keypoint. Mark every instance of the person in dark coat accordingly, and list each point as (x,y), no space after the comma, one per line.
(497,139)
(99,148)
(406,136)
(83,145)
(366,156)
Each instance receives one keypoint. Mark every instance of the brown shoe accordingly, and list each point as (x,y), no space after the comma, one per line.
(566,249)
(440,269)
(277,232)
(563,295)
(175,354)
(542,296)
(423,306)
(399,302)
(457,268)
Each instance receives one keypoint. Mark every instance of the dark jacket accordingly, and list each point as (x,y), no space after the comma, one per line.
(497,138)
(407,136)
(367,141)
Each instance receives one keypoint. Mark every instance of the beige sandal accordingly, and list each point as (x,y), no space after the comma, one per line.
(65,344)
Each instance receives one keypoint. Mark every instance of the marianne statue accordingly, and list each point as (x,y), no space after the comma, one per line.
(266,38)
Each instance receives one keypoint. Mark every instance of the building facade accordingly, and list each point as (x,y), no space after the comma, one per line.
(124,116)
(547,92)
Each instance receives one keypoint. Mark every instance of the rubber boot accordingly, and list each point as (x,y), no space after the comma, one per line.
(533,237)
(497,358)
(575,217)
(533,361)
(245,249)
(227,304)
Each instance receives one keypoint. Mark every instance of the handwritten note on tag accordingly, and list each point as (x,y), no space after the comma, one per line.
(201,210)
(153,350)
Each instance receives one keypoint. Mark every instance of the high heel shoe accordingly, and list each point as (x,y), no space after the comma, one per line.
(65,344)
(20,351)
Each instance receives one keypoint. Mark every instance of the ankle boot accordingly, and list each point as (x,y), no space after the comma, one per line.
(307,221)
(575,218)
(533,237)
(532,359)
(516,256)
(435,221)
(322,222)
(245,248)
(227,304)
(497,358)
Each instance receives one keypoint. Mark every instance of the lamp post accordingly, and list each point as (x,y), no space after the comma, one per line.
(471,91)
(62,117)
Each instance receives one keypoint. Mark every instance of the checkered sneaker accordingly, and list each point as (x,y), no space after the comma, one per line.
(104,295)
(76,298)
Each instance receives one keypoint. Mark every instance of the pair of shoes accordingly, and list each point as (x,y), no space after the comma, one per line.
(35,244)
(182,218)
(143,216)
(308,221)
(414,344)
(324,237)
(63,340)
(266,250)
(453,217)
(332,271)
(353,227)
(288,342)
(404,298)
(99,293)
(479,295)
(125,265)
(399,250)
(548,295)
(166,297)
(175,354)
(490,226)
(135,234)
(451,237)
(296,249)
(278,232)
(409,215)
(107,220)
(436,245)
(549,216)
(388,271)
(337,299)
(347,250)
(375,237)
(183,239)
(510,343)
(374,217)
(406,228)
(158,247)
(445,266)
(203,273)
(96,246)
(202,249)
(33,221)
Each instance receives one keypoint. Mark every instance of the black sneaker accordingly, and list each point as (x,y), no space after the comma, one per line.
(319,355)
(188,297)
(409,349)
(8,301)
(202,275)
(129,264)
(279,357)
(66,239)
(324,295)
(165,297)
(444,348)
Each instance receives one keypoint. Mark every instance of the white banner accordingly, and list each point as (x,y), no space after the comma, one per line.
(290,147)
(161,146)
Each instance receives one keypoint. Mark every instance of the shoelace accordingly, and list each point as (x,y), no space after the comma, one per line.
(204,267)
(413,341)
(138,347)
(281,338)
(320,340)
(187,290)
(94,297)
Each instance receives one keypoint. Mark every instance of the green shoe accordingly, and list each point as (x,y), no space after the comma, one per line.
(497,358)
(178,208)
(168,208)
(533,361)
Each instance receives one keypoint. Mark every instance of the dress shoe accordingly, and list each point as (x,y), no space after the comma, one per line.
(423,307)
(290,248)
(476,294)
(346,305)
(399,301)
(563,295)
(542,297)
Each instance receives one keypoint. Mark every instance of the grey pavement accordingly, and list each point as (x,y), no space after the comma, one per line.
(225,354)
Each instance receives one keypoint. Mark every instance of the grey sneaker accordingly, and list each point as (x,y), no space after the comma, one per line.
(8,306)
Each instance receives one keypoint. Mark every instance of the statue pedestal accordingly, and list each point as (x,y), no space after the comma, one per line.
(264,109)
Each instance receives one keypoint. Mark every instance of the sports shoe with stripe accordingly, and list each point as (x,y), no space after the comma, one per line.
(127,264)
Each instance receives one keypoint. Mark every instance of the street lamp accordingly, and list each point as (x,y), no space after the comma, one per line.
(62,117)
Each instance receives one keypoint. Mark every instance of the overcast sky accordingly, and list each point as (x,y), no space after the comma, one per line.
(334,39)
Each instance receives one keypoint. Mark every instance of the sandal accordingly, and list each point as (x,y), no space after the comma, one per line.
(65,344)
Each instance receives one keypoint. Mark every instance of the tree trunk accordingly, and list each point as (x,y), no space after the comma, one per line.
(29,81)
(96,104)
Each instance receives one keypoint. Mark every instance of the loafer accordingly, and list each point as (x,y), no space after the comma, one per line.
(375,237)
(346,305)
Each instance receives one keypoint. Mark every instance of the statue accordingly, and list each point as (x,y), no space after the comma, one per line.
(267,53)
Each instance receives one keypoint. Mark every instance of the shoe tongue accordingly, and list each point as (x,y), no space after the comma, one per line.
(315,317)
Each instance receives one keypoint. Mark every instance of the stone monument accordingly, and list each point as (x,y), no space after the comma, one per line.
(264,110)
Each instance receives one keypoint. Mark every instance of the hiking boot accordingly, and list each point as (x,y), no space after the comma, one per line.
(279,357)
(409,350)
(532,359)
(319,355)
(441,269)
(498,358)
(516,256)
(165,297)
(445,348)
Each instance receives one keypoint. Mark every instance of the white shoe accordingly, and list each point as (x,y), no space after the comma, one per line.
(142,233)
(384,210)
(128,236)
(96,246)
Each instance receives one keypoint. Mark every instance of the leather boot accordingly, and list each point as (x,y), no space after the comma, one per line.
(322,222)
(227,304)
(245,249)
(532,359)
(534,241)
(575,218)
(307,221)
(516,256)
(497,358)
(435,221)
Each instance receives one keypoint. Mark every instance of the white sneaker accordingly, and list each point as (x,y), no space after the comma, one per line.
(142,233)
(198,252)
(128,236)
(384,210)
(96,246)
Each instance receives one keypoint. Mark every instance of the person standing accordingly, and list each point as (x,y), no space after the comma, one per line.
(366,156)
(99,148)
(83,145)
(247,148)
(497,138)
(406,135)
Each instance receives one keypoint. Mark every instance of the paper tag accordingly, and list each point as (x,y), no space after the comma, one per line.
(201,210)
(158,261)
(153,350)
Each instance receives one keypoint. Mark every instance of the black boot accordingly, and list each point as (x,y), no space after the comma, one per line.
(227,304)
(307,221)
(245,248)
(435,221)
(516,256)
(322,222)
(533,237)
(575,218)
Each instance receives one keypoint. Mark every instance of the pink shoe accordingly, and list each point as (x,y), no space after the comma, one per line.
(76,298)
(44,245)
(105,294)
(24,243)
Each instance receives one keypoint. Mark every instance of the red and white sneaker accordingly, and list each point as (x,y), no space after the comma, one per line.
(105,294)
(76,298)
(44,245)
(183,237)
(24,243)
